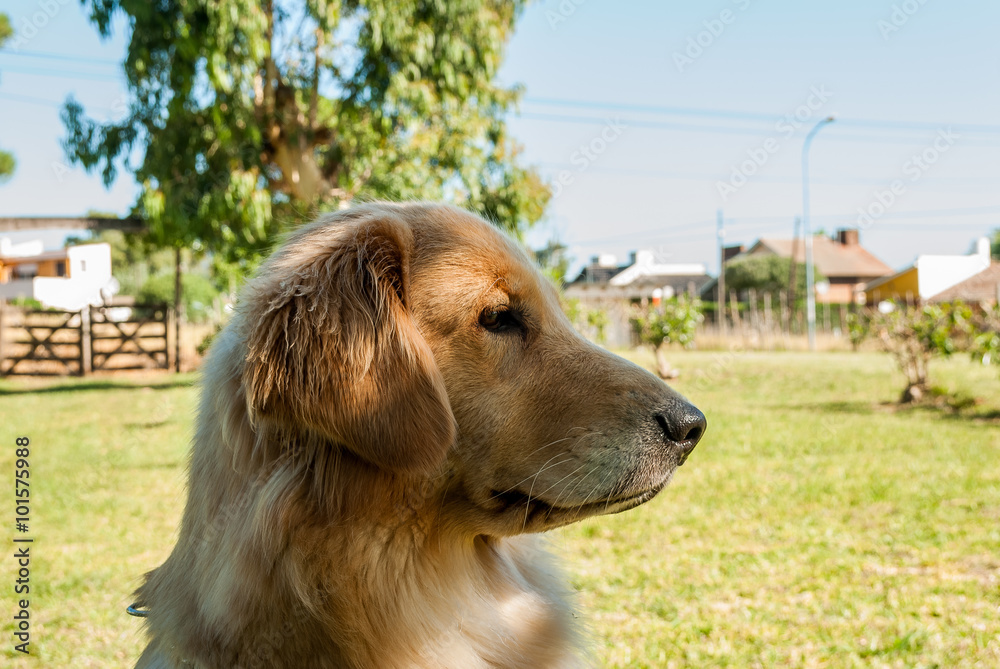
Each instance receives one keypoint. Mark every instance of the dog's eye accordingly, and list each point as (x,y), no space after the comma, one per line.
(500,319)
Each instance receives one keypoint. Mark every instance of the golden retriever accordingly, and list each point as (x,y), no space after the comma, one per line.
(397,407)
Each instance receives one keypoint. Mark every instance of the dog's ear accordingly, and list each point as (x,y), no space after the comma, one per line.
(331,345)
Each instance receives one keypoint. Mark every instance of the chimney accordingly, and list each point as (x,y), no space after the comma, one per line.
(730,252)
(848,237)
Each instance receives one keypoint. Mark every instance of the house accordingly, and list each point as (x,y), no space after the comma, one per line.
(68,278)
(982,288)
(929,276)
(603,278)
(847,265)
(606,285)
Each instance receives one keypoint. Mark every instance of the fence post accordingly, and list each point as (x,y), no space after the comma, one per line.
(786,317)
(86,341)
(734,306)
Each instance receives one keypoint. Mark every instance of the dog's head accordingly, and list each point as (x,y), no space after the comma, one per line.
(422,342)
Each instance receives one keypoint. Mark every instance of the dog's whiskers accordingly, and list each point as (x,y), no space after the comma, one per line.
(526,478)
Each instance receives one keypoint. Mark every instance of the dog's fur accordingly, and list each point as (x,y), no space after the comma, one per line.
(397,406)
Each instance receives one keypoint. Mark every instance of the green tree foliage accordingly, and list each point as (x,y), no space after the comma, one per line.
(7,163)
(916,335)
(198,291)
(590,322)
(133,258)
(554,262)
(247,113)
(986,336)
(767,274)
(995,245)
(672,321)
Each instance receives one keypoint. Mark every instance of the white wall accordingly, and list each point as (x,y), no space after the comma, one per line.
(90,263)
(89,272)
(937,273)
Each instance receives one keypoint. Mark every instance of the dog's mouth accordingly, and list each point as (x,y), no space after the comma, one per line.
(538,509)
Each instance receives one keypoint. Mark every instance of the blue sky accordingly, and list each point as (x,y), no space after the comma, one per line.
(654,115)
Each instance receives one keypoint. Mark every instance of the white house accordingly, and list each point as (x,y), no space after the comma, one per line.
(929,275)
(613,288)
(69,278)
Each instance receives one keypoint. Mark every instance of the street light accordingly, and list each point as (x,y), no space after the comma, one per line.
(810,292)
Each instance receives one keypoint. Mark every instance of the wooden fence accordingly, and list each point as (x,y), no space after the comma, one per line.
(48,342)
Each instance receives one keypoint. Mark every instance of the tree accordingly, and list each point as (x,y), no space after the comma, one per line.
(7,162)
(673,321)
(995,245)
(554,262)
(244,114)
(914,336)
(766,274)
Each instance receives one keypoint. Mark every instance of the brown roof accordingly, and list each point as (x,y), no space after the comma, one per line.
(59,254)
(980,287)
(832,258)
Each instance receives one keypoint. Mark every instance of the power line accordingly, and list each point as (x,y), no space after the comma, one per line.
(27,99)
(58,56)
(62,74)
(916,213)
(756,132)
(701,176)
(770,222)
(756,116)
(31,100)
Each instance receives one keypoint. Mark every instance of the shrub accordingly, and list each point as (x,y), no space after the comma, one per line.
(986,336)
(673,321)
(197,293)
(914,336)
(767,274)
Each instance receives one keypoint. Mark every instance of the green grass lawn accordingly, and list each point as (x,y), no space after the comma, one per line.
(815,526)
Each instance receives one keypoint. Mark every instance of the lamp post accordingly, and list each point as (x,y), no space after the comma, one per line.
(807,231)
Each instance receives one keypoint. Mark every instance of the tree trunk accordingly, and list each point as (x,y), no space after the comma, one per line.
(178,308)
(914,392)
(663,367)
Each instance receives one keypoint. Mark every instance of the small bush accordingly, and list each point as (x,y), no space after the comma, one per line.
(197,292)
(26,303)
(914,336)
(673,321)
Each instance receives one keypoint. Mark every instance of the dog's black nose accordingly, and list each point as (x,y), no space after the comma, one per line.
(682,425)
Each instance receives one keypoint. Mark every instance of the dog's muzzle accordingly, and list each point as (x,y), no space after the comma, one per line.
(683,426)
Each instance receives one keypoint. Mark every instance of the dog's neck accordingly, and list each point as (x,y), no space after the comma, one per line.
(386,578)
(433,594)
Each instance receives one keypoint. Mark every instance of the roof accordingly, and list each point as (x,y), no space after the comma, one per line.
(660,280)
(59,254)
(597,274)
(882,280)
(982,287)
(831,258)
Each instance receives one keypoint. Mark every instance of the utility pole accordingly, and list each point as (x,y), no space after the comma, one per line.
(720,304)
(794,264)
(810,289)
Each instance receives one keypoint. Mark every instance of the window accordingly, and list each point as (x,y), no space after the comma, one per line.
(61,268)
